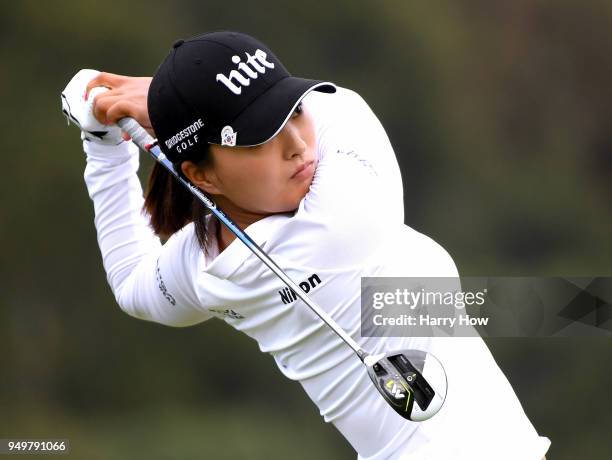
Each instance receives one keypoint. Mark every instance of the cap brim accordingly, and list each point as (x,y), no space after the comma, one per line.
(266,116)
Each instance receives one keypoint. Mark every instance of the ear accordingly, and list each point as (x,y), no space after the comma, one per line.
(202,177)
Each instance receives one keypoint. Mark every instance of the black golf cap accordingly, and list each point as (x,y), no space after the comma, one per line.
(223,88)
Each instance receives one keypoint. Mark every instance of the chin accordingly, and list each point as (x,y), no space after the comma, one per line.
(290,202)
(293,204)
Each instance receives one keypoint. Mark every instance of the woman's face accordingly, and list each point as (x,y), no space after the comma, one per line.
(266,179)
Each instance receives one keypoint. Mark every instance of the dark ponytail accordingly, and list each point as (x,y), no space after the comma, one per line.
(171,206)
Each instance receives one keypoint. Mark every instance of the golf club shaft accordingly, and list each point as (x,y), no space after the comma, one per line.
(146,142)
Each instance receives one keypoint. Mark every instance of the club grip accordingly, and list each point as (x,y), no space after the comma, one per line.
(136,132)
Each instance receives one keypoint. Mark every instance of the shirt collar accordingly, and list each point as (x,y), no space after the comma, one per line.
(224,264)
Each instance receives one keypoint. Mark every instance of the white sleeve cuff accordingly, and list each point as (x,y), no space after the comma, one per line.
(110,154)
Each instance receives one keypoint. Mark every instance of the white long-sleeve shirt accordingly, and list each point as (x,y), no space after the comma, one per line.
(349,225)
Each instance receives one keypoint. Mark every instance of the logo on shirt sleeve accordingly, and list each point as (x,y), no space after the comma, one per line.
(162,286)
(226,313)
(354,155)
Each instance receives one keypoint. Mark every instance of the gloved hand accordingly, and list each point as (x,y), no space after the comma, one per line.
(80,111)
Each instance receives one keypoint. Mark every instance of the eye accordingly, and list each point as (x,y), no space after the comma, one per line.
(298,110)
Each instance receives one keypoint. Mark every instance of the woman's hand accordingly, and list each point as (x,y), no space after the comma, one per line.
(127,97)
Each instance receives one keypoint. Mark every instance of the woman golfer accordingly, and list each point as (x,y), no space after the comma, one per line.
(306,169)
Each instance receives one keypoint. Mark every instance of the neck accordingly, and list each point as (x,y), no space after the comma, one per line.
(241,217)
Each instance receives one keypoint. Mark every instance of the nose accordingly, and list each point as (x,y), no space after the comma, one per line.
(293,142)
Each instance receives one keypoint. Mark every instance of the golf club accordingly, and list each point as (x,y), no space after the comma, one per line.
(401,377)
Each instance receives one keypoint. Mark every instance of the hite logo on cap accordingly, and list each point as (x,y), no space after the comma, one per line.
(186,137)
(228,136)
(258,63)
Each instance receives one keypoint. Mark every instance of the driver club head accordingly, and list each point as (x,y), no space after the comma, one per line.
(413,382)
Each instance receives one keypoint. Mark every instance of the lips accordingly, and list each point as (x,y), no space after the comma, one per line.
(303,170)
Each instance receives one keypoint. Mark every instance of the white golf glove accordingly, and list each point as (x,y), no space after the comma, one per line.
(80,111)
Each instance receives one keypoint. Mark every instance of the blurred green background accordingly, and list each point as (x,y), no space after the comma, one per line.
(501,116)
